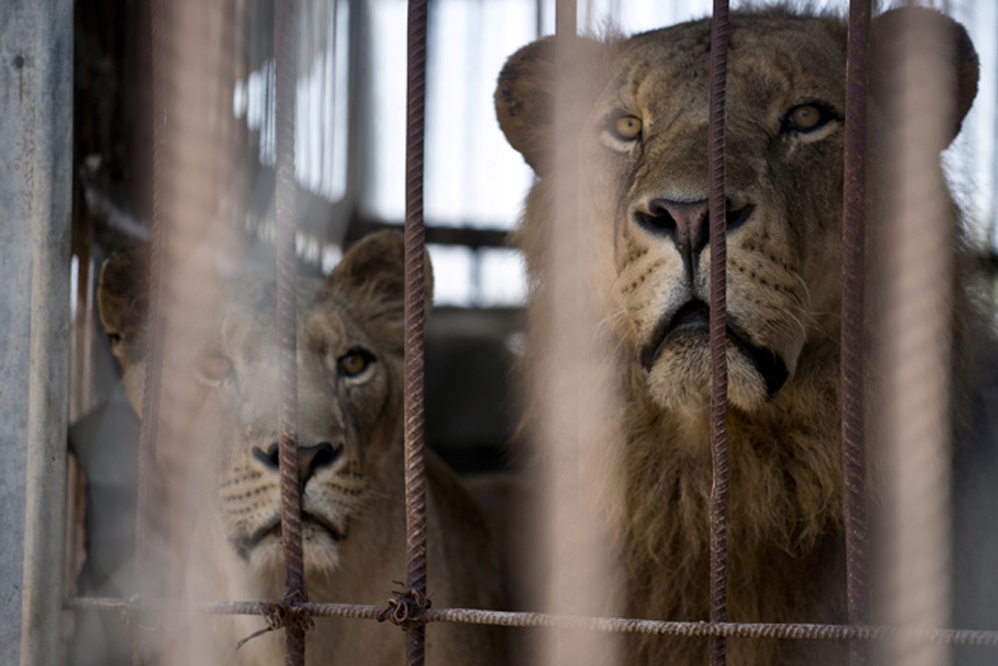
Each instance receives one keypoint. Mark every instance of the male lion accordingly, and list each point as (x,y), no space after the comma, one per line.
(642,146)
(350,462)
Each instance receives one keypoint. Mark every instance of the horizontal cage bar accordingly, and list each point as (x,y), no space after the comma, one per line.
(792,631)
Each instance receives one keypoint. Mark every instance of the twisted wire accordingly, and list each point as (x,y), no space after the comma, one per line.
(718,336)
(853,233)
(789,631)
(795,631)
(287,322)
(152,382)
(415,313)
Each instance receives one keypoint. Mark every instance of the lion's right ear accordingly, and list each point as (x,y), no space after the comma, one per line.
(372,274)
(123,301)
(935,33)
(524,96)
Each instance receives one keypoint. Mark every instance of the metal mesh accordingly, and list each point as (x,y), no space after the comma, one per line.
(913,632)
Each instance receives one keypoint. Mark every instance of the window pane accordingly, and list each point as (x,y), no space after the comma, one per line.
(473,177)
(502,278)
(452,275)
(320,99)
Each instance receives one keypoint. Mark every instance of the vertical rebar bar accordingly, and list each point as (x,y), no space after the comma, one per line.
(287,321)
(190,95)
(572,377)
(851,341)
(718,335)
(566,18)
(918,313)
(415,314)
(992,231)
(153,379)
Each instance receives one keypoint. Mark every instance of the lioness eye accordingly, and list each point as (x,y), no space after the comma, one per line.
(214,366)
(354,362)
(628,127)
(807,118)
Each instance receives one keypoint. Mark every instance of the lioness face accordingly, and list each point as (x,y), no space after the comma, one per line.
(349,352)
(346,417)
(643,152)
(645,147)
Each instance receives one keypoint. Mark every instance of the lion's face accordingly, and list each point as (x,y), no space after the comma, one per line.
(646,154)
(349,399)
(643,155)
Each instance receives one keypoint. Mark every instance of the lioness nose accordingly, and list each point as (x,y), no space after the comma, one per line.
(312,458)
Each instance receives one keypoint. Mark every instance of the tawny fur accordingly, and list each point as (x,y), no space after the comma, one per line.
(785,506)
(353,505)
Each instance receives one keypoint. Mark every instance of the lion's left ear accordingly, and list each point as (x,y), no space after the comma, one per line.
(935,32)
(524,96)
(372,273)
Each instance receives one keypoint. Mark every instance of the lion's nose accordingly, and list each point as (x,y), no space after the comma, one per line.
(687,224)
(310,458)
(684,221)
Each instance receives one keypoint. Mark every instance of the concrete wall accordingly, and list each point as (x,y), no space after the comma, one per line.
(35,176)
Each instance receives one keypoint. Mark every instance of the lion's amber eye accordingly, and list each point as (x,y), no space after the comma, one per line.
(628,127)
(214,366)
(805,117)
(354,362)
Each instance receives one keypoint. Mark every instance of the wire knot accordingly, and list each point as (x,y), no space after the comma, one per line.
(274,614)
(133,606)
(286,612)
(406,608)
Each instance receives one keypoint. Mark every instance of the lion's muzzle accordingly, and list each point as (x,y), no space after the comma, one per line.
(693,318)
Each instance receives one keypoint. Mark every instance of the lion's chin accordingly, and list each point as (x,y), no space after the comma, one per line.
(320,547)
(680,378)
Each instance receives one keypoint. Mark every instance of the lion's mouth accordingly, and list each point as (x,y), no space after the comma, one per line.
(694,317)
(246,544)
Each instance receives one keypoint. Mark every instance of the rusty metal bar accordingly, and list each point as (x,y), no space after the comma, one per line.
(566,18)
(287,323)
(575,406)
(153,379)
(187,176)
(851,341)
(718,335)
(819,632)
(415,315)
(918,297)
(795,631)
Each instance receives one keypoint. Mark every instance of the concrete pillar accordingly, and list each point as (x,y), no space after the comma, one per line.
(36,119)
